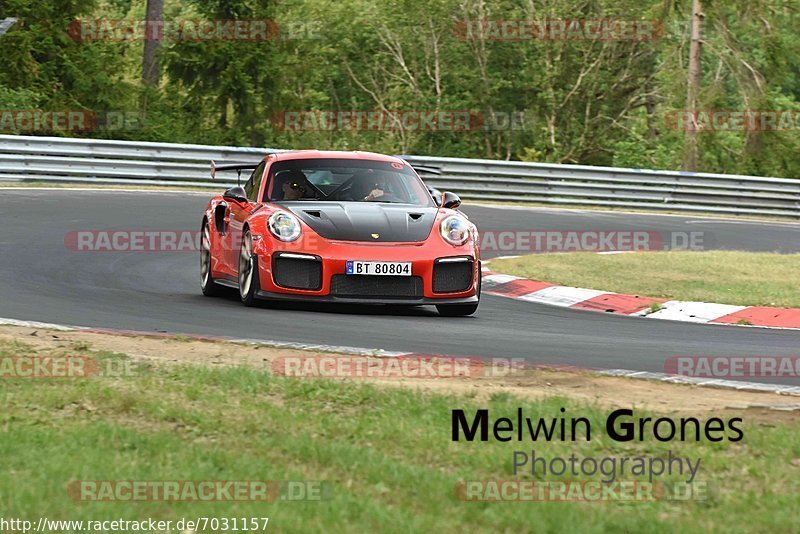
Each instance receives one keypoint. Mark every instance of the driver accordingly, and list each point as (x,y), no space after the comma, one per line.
(295,185)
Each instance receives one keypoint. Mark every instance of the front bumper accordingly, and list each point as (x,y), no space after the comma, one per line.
(292,297)
(331,283)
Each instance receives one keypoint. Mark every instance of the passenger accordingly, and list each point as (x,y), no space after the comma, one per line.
(369,187)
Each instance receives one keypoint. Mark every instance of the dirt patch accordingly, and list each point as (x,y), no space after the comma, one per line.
(577,385)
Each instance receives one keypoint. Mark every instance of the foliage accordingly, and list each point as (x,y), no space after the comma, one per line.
(590,101)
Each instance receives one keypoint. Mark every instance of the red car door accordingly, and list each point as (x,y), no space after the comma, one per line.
(238,212)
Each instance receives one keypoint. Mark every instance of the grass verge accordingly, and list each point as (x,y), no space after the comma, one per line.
(386,453)
(726,277)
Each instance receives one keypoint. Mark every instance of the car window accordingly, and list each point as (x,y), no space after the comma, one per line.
(346,180)
(254,182)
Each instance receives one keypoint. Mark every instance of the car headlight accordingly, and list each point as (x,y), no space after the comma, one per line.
(284,226)
(455,230)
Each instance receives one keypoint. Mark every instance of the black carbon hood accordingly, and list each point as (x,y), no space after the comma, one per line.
(363,221)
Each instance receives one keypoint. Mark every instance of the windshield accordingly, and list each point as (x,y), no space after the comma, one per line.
(346,180)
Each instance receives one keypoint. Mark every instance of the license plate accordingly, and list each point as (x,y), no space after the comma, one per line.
(382,268)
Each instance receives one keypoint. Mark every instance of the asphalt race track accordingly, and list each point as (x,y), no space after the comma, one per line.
(42,280)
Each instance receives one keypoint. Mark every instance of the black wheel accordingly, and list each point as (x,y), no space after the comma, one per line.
(248,271)
(207,284)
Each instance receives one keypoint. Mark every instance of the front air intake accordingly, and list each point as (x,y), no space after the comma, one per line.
(297,273)
(452,276)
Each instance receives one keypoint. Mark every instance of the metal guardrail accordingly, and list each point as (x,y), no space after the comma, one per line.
(609,186)
(54,159)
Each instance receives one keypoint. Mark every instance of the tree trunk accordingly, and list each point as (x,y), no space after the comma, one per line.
(690,155)
(151,66)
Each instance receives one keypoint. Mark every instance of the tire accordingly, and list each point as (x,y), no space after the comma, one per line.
(248,271)
(461,310)
(207,284)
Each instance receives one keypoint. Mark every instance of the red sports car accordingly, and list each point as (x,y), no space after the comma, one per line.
(350,227)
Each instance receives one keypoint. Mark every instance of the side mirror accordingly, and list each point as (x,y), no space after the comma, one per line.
(236,194)
(450,200)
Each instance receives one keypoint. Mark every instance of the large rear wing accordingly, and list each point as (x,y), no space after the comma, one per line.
(239,167)
(426,169)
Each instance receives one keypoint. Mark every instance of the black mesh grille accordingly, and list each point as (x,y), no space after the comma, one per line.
(343,285)
(452,277)
(296,273)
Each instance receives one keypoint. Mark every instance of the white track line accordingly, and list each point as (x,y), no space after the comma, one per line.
(780,389)
(563,296)
(693,312)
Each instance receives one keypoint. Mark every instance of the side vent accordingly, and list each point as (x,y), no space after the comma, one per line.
(219,217)
(415,216)
(313,213)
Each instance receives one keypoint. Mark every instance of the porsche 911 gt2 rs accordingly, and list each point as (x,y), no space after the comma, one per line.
(350,227)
